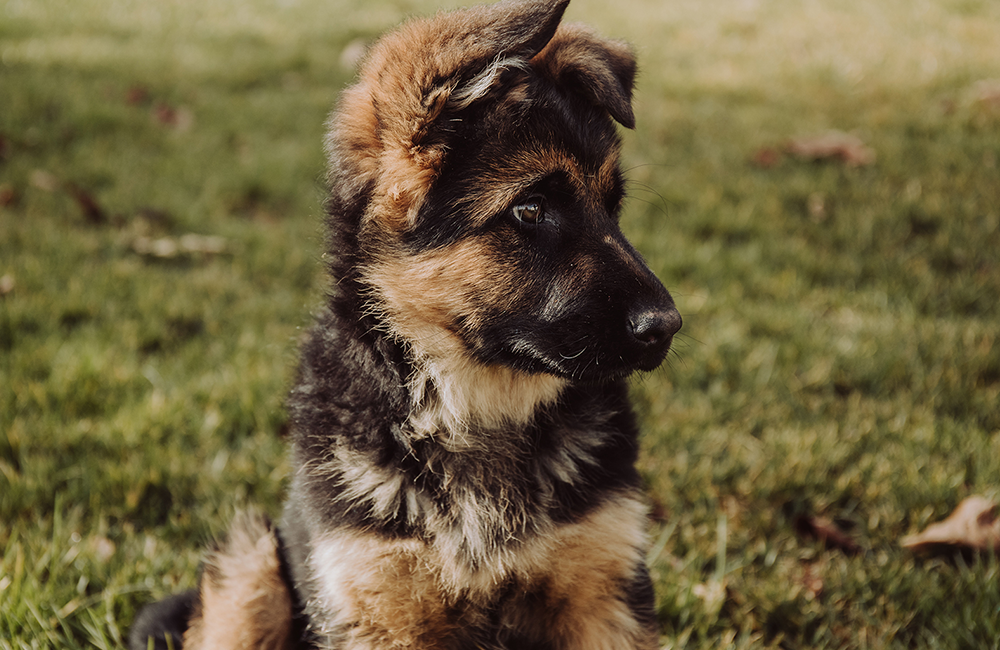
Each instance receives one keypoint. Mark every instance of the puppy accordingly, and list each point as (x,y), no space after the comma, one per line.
(463,445)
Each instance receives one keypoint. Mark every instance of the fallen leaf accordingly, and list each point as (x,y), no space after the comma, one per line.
(190,244)
(8,195)
(43,180)
(181,118)
(812,582)
(164,247)
(987,93)
(832,145)
(974,524)
(208,244)
(136,95)
(827,532)
(766,157)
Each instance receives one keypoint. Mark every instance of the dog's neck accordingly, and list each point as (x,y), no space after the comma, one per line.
(451,397)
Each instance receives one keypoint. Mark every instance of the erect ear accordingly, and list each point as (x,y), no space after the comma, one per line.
(601,71)
(384,131)
(513,27)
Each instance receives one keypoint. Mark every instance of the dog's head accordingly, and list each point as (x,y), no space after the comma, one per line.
(476,166)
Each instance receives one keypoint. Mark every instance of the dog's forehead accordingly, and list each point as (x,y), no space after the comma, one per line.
(508,176)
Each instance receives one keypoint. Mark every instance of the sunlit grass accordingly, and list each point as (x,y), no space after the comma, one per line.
(839,356)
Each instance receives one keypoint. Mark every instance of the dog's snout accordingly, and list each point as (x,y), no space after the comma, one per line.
(654,326)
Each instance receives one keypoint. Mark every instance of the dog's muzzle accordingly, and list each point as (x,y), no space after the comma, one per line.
(651,329)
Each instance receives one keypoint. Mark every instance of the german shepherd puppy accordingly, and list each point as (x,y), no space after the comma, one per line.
(463,445)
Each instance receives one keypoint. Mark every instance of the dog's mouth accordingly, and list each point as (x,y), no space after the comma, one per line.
(572,350)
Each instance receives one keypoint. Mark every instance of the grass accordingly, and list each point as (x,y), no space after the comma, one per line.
(840,356)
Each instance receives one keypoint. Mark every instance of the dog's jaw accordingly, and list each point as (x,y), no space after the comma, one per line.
(451,397)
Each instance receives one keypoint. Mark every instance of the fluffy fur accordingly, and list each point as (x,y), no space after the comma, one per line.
(462,440)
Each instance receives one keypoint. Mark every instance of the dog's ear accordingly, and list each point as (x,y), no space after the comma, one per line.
(601,71)
(384,134)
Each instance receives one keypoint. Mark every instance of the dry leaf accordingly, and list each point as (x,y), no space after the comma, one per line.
(987,93)
(180,118)
(974,525)
(8,195)
(168,247)
(766,157)
(832,145)
(43,180)
(137,95)
(812,582)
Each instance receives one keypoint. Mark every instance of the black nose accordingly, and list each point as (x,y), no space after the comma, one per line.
(654,327)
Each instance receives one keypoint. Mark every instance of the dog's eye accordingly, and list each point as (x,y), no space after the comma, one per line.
(530,213)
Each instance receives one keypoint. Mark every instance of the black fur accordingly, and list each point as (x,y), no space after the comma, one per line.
(571,300)
(168,617)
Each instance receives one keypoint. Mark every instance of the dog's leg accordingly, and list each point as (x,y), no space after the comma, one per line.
(163,620)
(380,594)
(595,593)
(245,602)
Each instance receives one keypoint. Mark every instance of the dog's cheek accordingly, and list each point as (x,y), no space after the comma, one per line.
(438,300)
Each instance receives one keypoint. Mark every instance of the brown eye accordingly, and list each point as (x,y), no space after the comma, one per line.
(530,213)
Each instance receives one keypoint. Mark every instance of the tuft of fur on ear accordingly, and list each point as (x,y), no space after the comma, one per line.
(600,70)
(385,135)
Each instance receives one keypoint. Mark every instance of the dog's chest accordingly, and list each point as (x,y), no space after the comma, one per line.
(406,591)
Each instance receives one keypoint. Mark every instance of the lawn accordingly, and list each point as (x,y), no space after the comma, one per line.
(836,386)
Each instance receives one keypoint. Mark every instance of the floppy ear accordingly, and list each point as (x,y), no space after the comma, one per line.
(599,70)
(383,132)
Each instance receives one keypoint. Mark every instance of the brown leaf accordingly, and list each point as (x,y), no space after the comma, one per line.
(766,157)
(45,181)
(832,145)
(973,525)
(136,95)
(190,244)
(827,532)
(8,195)
(180,118)
(811,581)
(988,93)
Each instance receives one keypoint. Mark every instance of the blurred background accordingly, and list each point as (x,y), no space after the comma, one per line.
(816,182)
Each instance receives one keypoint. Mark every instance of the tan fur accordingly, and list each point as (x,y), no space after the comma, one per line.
(497,191)
(585,574)
(482,557)
(423,295)
(391,147)
(394,594)
(245,603)
(387,591)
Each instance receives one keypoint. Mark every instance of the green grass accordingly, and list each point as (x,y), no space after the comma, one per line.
(840,356)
